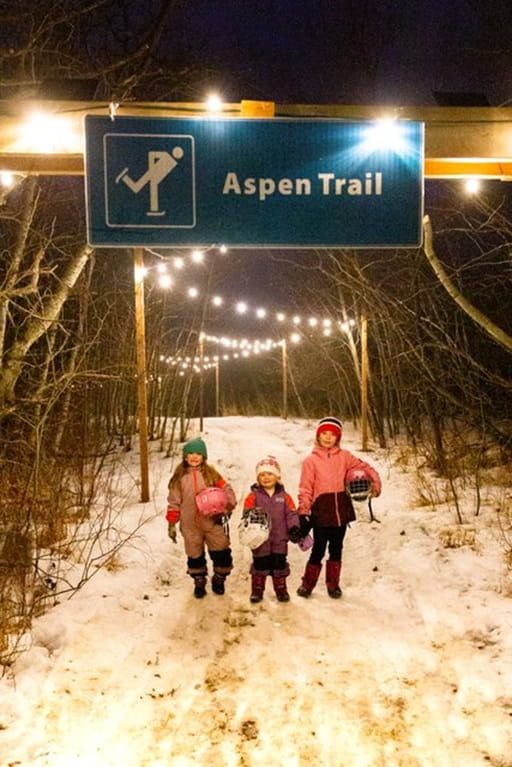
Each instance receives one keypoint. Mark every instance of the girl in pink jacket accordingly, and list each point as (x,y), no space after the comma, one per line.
(324,505)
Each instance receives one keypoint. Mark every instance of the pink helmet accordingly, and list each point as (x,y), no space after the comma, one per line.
(358,484)
(211,500)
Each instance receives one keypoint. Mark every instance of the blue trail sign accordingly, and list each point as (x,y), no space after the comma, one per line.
(181,182)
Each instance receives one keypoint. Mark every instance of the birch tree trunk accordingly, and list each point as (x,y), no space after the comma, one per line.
(496,333)
(38,324)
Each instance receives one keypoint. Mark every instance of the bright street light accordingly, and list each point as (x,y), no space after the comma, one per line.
(472,185)
(214,103)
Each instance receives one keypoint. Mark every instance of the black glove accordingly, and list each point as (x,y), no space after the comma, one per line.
(294,534)
(305,524)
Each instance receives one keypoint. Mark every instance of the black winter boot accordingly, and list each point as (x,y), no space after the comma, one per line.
(199,586)
(218,583)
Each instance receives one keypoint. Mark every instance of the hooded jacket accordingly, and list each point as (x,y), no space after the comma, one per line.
(280,508)
(182,506)
(322,485)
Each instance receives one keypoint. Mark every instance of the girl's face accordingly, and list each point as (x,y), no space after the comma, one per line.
(194,460)
(267,480)
(327,438)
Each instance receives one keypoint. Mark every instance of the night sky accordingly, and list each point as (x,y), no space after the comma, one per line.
(357,51)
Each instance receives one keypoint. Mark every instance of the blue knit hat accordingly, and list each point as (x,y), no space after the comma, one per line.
(195,446)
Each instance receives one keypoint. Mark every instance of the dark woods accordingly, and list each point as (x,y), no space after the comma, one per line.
(68,384)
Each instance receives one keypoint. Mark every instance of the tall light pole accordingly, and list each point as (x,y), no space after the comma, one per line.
(217,389)
(140,337)
(284,377)
(360,360)
(364,382)
(201,380)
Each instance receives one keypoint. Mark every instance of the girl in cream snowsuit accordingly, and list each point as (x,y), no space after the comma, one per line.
(190,477)
(324,505)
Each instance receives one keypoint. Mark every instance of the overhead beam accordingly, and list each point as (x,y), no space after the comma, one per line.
(454,168)
(459,141)
(26,164)
(73,165)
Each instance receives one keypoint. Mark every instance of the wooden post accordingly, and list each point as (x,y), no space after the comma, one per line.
(140,336)
(285,378)
(217,389)
(364,382)
(201,380)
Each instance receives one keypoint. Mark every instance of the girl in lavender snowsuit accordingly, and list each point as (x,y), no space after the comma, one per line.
(271,556)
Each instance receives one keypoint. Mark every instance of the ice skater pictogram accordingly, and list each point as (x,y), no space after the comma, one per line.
(160,164)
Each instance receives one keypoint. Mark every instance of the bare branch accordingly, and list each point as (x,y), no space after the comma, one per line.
(496,333)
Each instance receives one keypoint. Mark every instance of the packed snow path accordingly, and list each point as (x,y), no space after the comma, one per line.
(411,668)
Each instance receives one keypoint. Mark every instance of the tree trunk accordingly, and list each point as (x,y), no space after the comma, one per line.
(38,324)
(496,333)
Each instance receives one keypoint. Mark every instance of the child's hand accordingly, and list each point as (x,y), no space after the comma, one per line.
(172,515)
(305,524)
(295,534)
(171,532)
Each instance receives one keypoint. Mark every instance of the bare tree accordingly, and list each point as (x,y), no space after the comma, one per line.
(476,315)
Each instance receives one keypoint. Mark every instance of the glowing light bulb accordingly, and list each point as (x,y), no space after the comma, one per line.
(47,133)
(7,179)
(385,134)
(472,185)
(214,103)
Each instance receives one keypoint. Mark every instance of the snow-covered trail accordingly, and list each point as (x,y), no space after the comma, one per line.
(406,670)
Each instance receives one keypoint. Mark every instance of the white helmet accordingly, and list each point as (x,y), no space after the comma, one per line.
(254,528)
(358,484)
